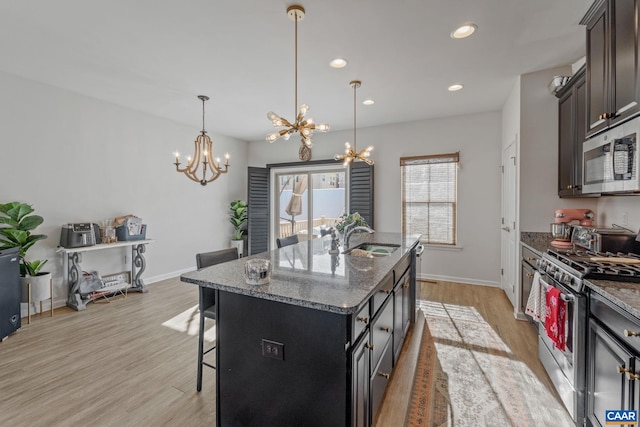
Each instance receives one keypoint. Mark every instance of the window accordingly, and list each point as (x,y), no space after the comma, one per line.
(429,187)
(307,201)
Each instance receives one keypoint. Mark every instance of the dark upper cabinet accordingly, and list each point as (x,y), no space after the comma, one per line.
(571,135)
(613,75)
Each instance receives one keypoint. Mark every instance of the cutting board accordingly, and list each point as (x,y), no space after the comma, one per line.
(616,260)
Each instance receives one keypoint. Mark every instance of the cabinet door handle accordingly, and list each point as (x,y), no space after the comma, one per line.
(384,328)
(530,258)
(369,346)
(628,333)
(569,187)
(529,276)
(406,285)
(364,320)
(384,375)
(631,376)
(385,291)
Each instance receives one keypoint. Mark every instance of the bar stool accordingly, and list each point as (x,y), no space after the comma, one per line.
(207,301)
(286,241)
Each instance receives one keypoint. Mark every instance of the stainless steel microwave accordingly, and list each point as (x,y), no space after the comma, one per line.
(610,160)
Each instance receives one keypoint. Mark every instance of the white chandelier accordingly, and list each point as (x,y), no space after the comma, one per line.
(202,162)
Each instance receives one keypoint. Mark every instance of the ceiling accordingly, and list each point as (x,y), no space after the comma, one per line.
(156,56)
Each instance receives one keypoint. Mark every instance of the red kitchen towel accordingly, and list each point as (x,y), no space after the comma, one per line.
(556,313)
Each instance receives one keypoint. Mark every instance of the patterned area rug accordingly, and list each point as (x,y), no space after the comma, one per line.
(430,403)
(467,376)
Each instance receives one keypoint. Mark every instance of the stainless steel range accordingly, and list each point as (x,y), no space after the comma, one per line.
(566,271)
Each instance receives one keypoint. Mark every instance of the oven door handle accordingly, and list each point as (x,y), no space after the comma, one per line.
(567,298)
(563,296)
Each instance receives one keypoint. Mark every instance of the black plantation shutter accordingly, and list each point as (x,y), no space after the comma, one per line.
(258,200)
(361,190)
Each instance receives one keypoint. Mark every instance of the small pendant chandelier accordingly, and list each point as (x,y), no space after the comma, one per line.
(351,153)
(201,162)
(301,125)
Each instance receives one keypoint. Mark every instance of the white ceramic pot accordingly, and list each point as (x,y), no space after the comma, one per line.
(238,244)
(40,287)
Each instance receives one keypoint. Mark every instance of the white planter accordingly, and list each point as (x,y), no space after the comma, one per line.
(238,244)
(40,287)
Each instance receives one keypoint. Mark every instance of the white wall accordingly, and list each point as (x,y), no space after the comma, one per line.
(77,159)
(476,136)
(613,210)
(539,153)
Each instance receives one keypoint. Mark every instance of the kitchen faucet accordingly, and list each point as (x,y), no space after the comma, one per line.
(349,231)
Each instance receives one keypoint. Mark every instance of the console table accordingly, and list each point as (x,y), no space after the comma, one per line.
(74,258)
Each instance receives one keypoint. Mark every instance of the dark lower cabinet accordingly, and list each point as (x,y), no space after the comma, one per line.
(608,386)
(401,313)
(613,361)
(360,383)
(380,377)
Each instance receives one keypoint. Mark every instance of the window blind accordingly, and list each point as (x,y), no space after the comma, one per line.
(429,197)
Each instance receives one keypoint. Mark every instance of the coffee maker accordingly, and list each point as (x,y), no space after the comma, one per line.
(561,227)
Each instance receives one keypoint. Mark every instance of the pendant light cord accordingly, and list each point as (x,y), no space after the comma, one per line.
(354,117)
(295,107)
(203,131)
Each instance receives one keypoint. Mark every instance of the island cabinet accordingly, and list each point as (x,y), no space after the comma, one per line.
(613,74)
(316,346)
(613,368)
(571,135)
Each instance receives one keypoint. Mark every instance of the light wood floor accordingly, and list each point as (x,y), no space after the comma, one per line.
(116,364)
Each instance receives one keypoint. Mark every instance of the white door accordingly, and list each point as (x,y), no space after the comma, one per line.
(509,238)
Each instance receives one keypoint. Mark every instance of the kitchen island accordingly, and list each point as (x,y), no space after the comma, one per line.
(317,344)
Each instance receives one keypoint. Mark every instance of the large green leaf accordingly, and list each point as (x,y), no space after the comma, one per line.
(9,221)
(19,210)
(17,236)
(29,223)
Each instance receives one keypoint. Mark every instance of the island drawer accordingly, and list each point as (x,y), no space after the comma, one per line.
(382,294)
(380,378)
(360,321)
(622,325)
(381,331)
(401,267)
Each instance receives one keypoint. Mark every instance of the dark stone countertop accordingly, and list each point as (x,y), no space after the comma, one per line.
(623,294)
(306,275)
(537,242)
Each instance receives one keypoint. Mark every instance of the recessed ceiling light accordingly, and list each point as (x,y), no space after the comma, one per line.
(338,63)
(455,87)
(368,101)
(464,30)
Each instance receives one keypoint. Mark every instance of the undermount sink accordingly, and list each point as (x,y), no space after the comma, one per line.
(371,250)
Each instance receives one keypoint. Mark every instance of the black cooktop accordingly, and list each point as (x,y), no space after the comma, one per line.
(582,261)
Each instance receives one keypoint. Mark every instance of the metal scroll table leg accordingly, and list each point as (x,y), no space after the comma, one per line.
(74,300)
(138,264)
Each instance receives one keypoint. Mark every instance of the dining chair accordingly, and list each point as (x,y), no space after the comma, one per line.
(207,301)
(286,241)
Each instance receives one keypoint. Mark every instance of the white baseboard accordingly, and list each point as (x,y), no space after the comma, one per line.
(168,275)
(62,302)
(459,280)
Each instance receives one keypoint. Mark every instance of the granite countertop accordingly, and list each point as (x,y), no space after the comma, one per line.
(625,295)
(307,275)
(537,242)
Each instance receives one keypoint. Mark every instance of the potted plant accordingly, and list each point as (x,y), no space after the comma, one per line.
(16,225)
(238,218)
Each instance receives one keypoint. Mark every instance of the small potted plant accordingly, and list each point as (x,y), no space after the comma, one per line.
(238,218)
(16,225)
